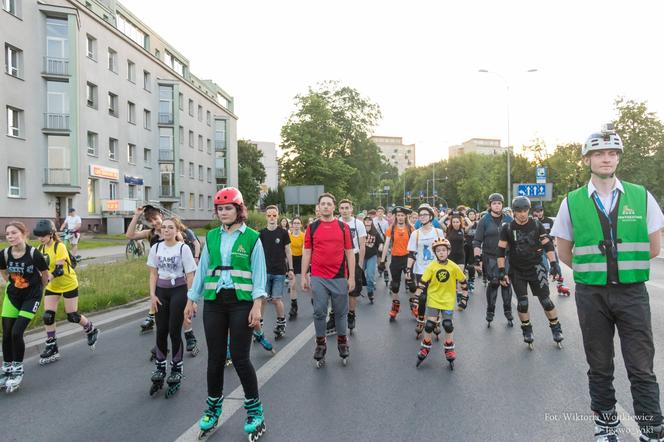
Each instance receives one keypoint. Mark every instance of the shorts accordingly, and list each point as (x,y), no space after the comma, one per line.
(17,305)
(444,314)
(297,264)
(67,295)
(73,239)
(275,286)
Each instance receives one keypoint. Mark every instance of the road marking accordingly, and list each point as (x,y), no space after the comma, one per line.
(269,369)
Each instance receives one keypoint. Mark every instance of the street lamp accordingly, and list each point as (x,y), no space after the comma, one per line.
(509,163)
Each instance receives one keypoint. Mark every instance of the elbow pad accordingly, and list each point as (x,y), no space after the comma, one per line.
(412,255)
(501,252)
(59,270)
(548,247)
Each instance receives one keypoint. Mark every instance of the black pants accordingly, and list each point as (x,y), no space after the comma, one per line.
(470,262)
(538,281)
(221,316)
(490,267)
(13,345)
(169,318)
(601,310)
(397,267)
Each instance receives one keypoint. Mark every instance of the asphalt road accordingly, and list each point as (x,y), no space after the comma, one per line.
(499,390)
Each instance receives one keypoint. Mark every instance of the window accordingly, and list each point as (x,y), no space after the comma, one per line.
(15,180)
(147,190)
(146,81)
(131,112)
(11,6)
(14,122)
(112,149)
(92,195)
(191,170)
(165,104)
(209,174)
(14,61)
(131,191)
(209,146)
(167,187)
(92,143)
(157,53)
(209,200)
(209,118)
(181,167)
(200,113)
(57,105)
(181,136)
(147,119)
(191,107)
(220,135)
(112,190)
(191,139)
(91,95)
(112,104)
(191,201)
(181,200)
(131,30)
(200,173)
(200,143)
(131,153)
(166,152)
(147,157)
(112,60)
(57,46)
(131,71)
(174,63)
(200,201)
(91,47)
(181,101)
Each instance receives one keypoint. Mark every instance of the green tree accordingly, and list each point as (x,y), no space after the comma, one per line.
(251,172)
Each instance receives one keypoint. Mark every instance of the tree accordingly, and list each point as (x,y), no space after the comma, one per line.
(251,172)
(274,198)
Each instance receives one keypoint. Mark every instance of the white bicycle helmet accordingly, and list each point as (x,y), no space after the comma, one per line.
(607,139)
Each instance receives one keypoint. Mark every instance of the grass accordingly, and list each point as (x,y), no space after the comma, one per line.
(102,286)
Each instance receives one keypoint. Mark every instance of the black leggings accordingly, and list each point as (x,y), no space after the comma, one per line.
(221,316)
(13,346)
(169,317)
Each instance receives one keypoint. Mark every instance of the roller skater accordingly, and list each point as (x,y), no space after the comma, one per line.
(373,247)
(15,379)
(456,235)
(329,249)
(158,376)
(255,423)
(358,235)
(526,239)
(538,213)
(174,379)
(210,419)
(191,342)
(440,278)
(486,254)
(471,215)
(296,246)
(397,236)
(148,323)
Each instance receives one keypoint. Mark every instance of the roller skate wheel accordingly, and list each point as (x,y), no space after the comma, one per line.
(531,346)
(510,323)
(344,361)
(93,347)
(320,363)
(195,351)
(273,351)
(559,345)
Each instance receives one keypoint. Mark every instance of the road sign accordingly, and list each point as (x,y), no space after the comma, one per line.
(541,175)
(421,193)
(540,192)
(407,195)
(435,193)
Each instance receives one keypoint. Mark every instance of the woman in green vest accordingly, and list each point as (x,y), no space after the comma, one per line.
(231,279)
(607,231)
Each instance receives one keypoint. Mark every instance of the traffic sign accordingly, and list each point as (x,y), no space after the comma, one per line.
(421,193)
(541,175)
(542,192)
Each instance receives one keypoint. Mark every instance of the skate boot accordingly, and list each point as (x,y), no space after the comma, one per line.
(148,323)
(463,303)
(280,328)
(330,328)
(351,322)
(292,314)
(655,434)
(386,278)
(370,295)
(489,317)
(5,374)
(158,376)
(394,311)
(528,337)
(606,426)
(560,286)
(414,306)
(50,353)
(419,328)
(174,380)
(425,348)
(471,286)
(450,353)
(255,424)
(92,336)
(192,343)
(210,419)
(557,332)
(16,378)
(510,318)
(342,346)
(436,329)
(259,337)
(256,336)
(319,352)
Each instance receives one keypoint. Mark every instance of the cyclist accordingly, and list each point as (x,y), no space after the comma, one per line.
(73,224)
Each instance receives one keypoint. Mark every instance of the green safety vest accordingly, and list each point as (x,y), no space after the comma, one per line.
(588,263)
(240,263)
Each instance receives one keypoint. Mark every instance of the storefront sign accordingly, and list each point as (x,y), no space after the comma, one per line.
(111,205)
(133,180)
(104,172)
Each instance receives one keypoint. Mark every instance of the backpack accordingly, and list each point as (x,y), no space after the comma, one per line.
(71,262)
(417,236)
(190,239)
(410,230)
(315,225)
(6,251)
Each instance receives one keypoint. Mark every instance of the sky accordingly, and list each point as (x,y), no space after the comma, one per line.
(419,62)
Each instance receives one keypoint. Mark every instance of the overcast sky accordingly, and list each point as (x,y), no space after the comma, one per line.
(419,60)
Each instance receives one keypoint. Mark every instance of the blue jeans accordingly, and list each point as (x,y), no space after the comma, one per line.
(275,286)
(370,272)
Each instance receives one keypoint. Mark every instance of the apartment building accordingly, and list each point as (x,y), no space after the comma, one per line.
(482,146)
(401,156)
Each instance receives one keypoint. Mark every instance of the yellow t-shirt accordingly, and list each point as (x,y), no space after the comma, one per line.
(442,279)
(296,243)
(66,282)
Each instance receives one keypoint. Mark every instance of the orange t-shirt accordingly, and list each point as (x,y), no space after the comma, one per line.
(400,241)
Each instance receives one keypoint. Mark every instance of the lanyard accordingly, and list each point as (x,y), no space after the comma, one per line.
(606,213)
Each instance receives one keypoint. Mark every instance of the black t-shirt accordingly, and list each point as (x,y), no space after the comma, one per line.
(372,242)
(524,244)
(24,278)
(456,239)
(470,234)
(274,244)
(547,223)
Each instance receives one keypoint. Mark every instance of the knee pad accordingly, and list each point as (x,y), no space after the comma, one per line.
(394,286)
(49,317)
(522,306)
(546,302)
(429,326)
(74,317)
(448,326)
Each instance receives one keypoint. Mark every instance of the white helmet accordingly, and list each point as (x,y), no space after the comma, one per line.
(607,139)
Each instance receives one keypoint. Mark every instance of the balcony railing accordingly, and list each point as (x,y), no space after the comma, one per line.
(166,155)
(219,173)
(56,66)
(57,176)
(56,121)
(167,191)
(219,145)
(165,118)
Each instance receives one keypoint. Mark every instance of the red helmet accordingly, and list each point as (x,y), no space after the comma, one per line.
(228,195)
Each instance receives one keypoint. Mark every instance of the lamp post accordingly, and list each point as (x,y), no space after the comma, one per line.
(509,162)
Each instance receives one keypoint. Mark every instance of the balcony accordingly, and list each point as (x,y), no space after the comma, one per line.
(165,118)
(219,172)
(219,145)
(166,155)
(56,66)
(57,176)
(166,191)
(54,121)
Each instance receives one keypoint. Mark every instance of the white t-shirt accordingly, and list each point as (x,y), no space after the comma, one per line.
(562,226)
(420,242)
(72,222)
(381,226)
(357,231)
(171,262)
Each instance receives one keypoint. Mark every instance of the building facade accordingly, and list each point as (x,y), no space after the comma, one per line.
(270,162)
(399,155)
(482,146)
(103,115)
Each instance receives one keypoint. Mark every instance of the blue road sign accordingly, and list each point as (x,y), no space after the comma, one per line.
(421,193)
(536,190)
(541,175)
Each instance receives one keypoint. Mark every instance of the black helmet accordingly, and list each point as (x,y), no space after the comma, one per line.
(496,197)
(469,211)
(520,203)
(44,227)
(538,206)
(401,209)
(426,207)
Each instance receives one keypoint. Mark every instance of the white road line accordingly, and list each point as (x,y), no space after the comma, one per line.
(269,369)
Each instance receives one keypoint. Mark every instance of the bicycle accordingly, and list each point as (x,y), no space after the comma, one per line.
(135,249)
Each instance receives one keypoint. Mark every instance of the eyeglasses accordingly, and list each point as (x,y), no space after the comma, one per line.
(271,216)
